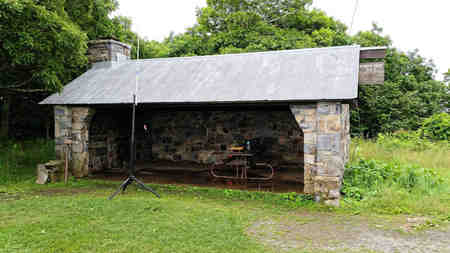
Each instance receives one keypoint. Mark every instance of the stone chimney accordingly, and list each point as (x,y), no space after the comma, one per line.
(107,51)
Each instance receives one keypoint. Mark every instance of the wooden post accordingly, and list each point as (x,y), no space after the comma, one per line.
(66,168)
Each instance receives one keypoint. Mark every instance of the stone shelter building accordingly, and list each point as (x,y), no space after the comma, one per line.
(296,102)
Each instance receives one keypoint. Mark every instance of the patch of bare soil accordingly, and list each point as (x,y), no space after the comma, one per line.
(330,232)
(190,173)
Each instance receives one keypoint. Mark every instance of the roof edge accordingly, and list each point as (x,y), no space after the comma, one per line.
(108,41)
(293,101)
(273,52)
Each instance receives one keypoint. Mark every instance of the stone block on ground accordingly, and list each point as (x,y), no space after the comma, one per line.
(52,171)
(42,174)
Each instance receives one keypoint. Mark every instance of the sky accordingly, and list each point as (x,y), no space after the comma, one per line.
(411,24)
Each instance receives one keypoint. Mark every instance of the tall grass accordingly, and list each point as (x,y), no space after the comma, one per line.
(396,175)
(424,153)
(18,160)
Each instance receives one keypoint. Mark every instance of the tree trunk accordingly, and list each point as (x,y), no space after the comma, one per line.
(4,117)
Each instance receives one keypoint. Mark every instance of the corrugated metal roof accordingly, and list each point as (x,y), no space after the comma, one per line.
(275,76)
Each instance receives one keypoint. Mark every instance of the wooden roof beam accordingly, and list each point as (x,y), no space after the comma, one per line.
(372,53)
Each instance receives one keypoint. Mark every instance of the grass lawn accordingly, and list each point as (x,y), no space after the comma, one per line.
(79,218)
(54,218)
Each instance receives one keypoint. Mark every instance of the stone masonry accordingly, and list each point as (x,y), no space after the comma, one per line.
(104,143)
(63,129)
(107,51)
(81,117)
(72,126)
(186,135)
(305,115)
(326,133)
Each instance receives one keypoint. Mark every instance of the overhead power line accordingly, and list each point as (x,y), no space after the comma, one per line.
(354,14)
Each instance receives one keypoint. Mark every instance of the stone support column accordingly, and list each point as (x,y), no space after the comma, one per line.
(81,117)
(306,117)
(326,129)
(63,129)
(345,133)
(330,152)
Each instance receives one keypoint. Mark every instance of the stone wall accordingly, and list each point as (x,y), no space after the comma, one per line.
(306,117)
(63,129)
(182,135)
(104,143)
(109,139)
(72,131)
(96,143)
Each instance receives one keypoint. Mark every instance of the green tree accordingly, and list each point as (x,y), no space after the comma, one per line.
(41,49)
(409,95)
(43,45)
(234,26)
(93,17)
(447,77)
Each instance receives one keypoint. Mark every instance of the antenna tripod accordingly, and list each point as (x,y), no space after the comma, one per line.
(132,167)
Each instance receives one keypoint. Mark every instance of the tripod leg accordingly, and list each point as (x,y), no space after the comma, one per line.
(143,186)
(127,183)
(122,187)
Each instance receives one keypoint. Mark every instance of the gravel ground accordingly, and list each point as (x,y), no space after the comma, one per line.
(334,233)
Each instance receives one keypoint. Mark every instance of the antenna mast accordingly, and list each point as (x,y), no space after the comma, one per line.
(137,72)
(132,166)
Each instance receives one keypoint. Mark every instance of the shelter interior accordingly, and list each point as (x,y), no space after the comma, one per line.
(177,144)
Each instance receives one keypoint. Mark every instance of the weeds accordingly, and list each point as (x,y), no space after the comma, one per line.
(368,177)
(436,127)
(18,160)
(398,174)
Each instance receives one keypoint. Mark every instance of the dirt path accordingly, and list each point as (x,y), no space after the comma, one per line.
(335,233)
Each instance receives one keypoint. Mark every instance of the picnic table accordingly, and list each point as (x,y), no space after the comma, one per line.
(237,166)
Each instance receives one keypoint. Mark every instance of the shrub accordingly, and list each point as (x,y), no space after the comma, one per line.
(436,127)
